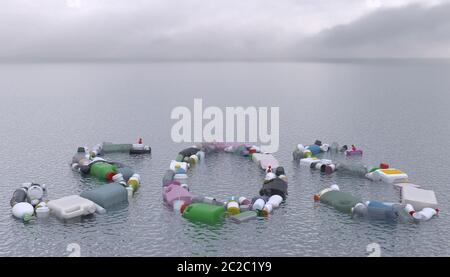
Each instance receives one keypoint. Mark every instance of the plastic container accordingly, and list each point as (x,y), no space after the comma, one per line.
(109,147)
(341,201)
(258,205)
(42,210)
(71,207)
(354,153)
(268,160)
(118,178)
(178,167)
(23,211)
(233,207)
(207,200)
(315,149)
(168,177)
(267,210)
(275,186)
(107,196)
(275,201)
(419,198)
(244,201)
(19,195)
(381,211)
(391,175)
(126,172)
(134,182)
(176,192)
(425,214)
(205,213)
(308,161)
(244,216)
(103,170)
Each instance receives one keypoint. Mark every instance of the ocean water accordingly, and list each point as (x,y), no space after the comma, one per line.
(397,112)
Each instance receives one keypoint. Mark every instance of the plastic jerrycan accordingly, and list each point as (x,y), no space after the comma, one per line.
(205,213)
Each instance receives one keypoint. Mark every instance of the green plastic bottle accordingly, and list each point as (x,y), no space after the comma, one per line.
(103,170)
(205,213)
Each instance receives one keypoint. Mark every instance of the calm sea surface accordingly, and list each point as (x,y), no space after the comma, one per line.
(397,112)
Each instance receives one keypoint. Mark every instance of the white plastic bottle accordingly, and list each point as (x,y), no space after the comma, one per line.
(275,201)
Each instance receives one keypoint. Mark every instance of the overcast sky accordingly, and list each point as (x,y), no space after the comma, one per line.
(223,29)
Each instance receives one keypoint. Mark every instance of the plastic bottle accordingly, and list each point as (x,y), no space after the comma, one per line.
(23,211)
(425,214)
(177,205)
(233,207)
(258,204)
(35,194)
(130,192)
(134,182)
(275,201)
(42,211)
(244,201)
(19,195)
(267,210)
(118,178)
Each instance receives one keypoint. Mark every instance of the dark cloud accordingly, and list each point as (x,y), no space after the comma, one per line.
(411,31)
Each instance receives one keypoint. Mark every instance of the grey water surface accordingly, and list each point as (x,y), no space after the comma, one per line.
(398,112)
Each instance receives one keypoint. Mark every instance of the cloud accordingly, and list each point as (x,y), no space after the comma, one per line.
(406,32)
(55,30)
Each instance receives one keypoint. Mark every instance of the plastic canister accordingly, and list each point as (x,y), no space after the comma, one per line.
(258,205)
(206,213)
(275,201)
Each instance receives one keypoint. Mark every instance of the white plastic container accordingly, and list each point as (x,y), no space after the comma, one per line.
(308,161)
(183,166)
(258,205)
(419,198)
(392,175)
(268,208)
(23,210)
(138,146)
(425,214)
(42,211)
(71,206)
(275,201)
(118,178)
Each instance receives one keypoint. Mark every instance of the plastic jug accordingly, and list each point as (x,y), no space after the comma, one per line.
(205,213)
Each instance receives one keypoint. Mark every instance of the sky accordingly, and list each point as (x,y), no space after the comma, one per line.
(67,30)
